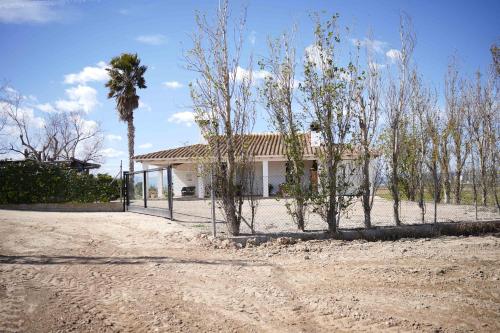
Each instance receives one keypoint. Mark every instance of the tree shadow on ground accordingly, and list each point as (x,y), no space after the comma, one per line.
(139,260)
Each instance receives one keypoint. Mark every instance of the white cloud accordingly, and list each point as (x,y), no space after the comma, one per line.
(112,152)
(156,39)
(244,74)
(393,54)
(146,145)
(173,84)
(88,74)
(28,11)
(88,125)
(80,98)
(46,107)
(185,117)
(376,66)
(313,54)
(113,137)
(375,45)
(144,106)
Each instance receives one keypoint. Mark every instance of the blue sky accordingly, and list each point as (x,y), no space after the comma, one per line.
(55,51)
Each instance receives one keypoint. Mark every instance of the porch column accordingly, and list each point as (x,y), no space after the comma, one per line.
(265,178)
(160,184)
(145,166)
(201,183)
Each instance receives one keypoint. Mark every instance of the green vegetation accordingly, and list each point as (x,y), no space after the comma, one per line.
(33,182)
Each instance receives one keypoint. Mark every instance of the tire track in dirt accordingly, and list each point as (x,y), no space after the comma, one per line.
(12,304)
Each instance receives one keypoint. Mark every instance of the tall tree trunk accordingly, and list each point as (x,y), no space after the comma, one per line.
(233,221)
(474,184)
(484,186)
(395,179)
(131,139)
(366,188)
(436,189)
(299,213)
(332,198)
(458,186)
(447,186)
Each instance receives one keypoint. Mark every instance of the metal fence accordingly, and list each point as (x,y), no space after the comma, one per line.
(155,192)
(270,214)
(149,192)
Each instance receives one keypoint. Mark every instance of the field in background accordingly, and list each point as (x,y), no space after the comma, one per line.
(467,196)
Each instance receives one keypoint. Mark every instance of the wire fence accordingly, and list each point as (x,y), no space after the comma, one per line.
(267,215)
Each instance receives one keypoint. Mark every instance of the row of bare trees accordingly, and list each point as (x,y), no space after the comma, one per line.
(54,136)
(359,110)
(450,145)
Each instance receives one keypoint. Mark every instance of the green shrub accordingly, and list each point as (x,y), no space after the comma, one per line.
(32,182)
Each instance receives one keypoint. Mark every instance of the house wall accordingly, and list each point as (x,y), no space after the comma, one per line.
(277,174)
(184,175)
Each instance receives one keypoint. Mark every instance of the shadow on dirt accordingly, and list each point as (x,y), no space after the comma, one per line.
(76,260)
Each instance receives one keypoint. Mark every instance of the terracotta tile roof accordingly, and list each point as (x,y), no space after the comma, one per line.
(270,144)
(258,144)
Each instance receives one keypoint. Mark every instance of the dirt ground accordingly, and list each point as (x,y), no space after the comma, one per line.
(107,272)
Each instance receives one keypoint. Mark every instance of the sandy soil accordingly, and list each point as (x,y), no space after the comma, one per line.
(106,272)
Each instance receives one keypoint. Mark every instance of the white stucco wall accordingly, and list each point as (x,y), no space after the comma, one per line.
(184,175)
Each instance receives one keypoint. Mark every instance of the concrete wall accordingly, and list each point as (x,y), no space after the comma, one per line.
(68,207)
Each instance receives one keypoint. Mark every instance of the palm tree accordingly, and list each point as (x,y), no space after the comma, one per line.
(125,75)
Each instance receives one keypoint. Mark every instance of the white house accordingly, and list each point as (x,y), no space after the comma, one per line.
(270,163)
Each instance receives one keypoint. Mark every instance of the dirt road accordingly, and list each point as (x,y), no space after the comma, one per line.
(98,272)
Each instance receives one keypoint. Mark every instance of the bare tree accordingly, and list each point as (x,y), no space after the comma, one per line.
(221,95)
(433,133)
(329,94)
(491,116)
(278,98)
(250,188)
(368,94)
(53,137)
(427,131)
(495,123)
(456,111)
(397,106)
(479,122)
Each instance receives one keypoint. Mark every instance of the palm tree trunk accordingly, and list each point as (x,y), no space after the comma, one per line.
(131,138)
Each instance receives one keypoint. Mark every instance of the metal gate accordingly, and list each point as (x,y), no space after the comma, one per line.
(149,192)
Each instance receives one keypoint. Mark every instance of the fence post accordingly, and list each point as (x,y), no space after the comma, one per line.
(170,192)
(212,196)
(125,186)
(121,180)
(145,189)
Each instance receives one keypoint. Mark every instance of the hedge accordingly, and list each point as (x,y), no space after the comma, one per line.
(32,182)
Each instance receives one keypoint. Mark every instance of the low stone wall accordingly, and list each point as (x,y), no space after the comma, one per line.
(68,207)
(386,233)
